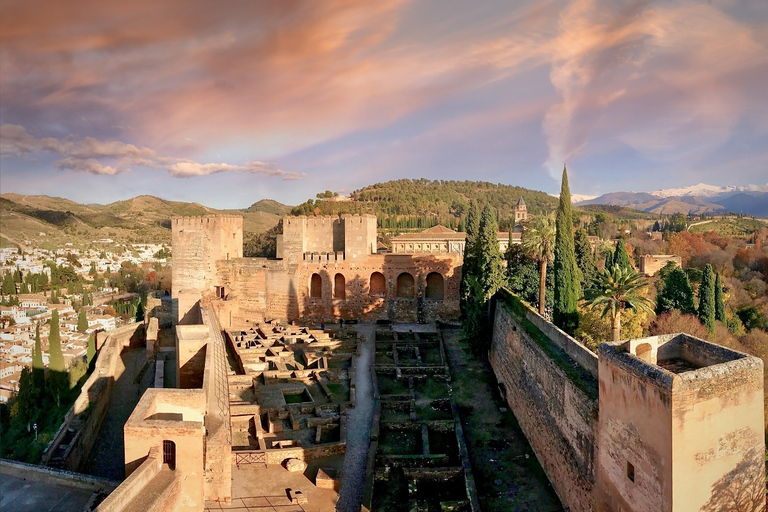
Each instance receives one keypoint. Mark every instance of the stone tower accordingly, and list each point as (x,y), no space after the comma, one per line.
(680,427)
(521,211)
(198,243)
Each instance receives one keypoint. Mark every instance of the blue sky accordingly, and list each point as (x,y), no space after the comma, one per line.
(226,104)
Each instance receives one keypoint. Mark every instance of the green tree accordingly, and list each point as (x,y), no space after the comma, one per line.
(538,242)
(719,299)
(490,271)
(707,299)
(9,285)
(565,313)
(620,256)
(584,258)
(91,350)
(468,265)
(38,366)
(82,320)
(523,276)
(139,312)
(57,376)
(675,293)
(615,290)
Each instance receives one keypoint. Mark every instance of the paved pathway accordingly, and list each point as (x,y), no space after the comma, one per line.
(107,458)
(358,428)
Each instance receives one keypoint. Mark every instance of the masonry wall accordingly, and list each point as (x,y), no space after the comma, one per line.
(555,405)
(269,289)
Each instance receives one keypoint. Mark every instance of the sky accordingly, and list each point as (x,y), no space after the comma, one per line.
(226,103)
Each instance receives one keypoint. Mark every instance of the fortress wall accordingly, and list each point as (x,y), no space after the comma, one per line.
(258,288)
(554,400)
(91,406)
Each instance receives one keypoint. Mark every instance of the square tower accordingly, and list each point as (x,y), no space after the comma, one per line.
(680,427)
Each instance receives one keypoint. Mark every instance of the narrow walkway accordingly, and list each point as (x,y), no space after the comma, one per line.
(107,458)
(358,428)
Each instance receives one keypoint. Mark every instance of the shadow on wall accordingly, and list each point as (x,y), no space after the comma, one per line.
(734,492)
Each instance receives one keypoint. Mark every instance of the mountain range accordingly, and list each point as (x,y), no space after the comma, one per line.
(694,199)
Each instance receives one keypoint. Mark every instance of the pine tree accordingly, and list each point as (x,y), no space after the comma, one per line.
(567,290)
(38,366)
(676,293)
(707,299)
(621,257)
(584,258)
(82,321)
(719,299)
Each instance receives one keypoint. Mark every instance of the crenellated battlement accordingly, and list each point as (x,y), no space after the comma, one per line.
(205,220)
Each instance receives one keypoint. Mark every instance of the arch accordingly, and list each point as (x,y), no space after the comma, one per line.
(435,286)
(316,286)
(378,285)
(405,286)
(339,287)
(169,453)
(645,352)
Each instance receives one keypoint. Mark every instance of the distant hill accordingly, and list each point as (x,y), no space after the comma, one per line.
(746,203)
(54,221)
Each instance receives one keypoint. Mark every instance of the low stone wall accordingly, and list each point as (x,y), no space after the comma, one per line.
(553,396)
(43,474)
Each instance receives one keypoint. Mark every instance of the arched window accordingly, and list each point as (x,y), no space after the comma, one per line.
(435,287)
(378,285)
(169,454)
(316,286)
(339,287)
(405,285)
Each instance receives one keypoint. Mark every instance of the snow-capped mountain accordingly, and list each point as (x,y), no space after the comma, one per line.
(704,190)
(695,199)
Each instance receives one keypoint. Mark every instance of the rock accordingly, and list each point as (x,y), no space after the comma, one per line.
(295,465)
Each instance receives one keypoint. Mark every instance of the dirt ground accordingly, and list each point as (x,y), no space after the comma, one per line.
(507,473)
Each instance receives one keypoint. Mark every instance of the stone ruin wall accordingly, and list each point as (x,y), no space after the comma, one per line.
(276,289)
(558,417)
(198,243)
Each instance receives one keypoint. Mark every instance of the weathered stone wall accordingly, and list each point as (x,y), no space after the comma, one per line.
(198,243)
(554,400)
(269,289)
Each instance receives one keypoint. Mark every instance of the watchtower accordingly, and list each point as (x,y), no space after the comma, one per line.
(680,427)
(198,243)
(521,211)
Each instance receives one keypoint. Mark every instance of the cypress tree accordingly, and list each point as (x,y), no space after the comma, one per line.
(707,299)
(56,358)
(676,293)
(490,271)
(91,351)
(608,255)
(9,286)
(82,321)
(567,290)
(584,258)
(621,257)
(139,313)
(468,265)
(719,299)
(38,367)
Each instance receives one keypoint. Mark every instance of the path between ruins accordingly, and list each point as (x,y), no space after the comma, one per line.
(358,428)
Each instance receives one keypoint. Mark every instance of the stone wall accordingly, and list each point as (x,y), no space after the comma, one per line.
(553,398)
(91,406)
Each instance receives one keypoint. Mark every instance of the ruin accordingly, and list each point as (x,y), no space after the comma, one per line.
(670,423)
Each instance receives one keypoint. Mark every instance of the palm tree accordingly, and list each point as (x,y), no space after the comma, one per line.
(538,242)
(615,290)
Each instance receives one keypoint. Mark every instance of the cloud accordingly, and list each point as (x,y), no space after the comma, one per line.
(85,155)
(658,77)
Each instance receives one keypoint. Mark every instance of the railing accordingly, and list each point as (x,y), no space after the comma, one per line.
(244,457)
